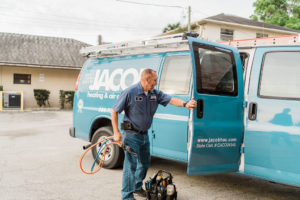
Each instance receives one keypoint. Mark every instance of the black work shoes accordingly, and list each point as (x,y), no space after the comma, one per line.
(141,192)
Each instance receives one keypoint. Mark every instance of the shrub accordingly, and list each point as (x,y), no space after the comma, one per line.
(69,97)
(66,97)
(62,99)
(41,96)
(1,88)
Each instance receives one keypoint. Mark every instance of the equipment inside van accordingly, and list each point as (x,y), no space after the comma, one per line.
(247,118)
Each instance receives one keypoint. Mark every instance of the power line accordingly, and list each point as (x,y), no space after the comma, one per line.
(150,4)
(75,29)
(201,12)
(57,20)
(62,19)
(65,22)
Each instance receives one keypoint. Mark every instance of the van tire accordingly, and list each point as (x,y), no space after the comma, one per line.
(114,156)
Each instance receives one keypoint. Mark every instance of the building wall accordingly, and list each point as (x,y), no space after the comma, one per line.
(54,80)
(211,32)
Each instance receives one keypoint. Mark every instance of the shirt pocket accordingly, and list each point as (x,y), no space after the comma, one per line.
(140,107)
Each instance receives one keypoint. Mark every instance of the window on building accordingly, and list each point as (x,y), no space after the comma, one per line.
(176,75)
(226,34)
(22,78)
(280,75)
(261,35)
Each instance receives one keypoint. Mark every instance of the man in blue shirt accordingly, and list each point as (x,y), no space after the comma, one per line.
(139,102)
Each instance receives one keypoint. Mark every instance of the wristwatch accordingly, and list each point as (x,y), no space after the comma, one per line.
(184,104)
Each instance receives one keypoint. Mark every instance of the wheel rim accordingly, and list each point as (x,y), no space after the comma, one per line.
(110,150)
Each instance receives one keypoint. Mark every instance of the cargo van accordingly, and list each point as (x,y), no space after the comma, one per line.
(247,118)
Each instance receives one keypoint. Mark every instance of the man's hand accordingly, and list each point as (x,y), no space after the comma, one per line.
(180,103)
(191,104)
(118,137)
(114,122)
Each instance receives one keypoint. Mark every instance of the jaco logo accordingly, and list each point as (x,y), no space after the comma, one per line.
(116,80)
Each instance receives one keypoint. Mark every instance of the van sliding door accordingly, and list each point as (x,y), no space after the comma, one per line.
(170,123)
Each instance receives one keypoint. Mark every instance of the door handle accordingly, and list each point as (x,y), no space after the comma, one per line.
(252,111)
(200,108)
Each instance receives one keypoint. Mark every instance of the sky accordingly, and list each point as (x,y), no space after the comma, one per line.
(114,20)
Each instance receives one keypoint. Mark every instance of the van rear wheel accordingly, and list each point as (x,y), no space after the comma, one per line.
(114,155)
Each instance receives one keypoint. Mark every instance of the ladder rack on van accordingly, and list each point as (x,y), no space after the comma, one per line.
(176,42)
(268,41)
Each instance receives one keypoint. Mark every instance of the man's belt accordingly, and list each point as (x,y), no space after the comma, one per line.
(129,126)
(140,132)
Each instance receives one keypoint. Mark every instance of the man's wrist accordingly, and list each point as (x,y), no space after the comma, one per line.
(184,103)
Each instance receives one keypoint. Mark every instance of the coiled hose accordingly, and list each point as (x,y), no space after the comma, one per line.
(105,143)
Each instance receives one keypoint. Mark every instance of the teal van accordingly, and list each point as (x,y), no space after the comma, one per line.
(247,118)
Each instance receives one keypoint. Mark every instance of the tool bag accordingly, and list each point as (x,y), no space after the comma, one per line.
(161,187)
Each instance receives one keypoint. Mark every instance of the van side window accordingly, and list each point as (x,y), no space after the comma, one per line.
(216,71)
(280,75)
(176,75)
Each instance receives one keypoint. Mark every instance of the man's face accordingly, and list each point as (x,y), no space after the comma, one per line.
(152,81)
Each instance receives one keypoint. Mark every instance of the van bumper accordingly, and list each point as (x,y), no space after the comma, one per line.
(72,131)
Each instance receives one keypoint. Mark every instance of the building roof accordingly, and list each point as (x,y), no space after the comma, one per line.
(40,51)
(232,19)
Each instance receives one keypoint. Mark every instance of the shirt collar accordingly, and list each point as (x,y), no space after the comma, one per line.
(141,91)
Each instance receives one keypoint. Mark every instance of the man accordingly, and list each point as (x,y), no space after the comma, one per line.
(139,102)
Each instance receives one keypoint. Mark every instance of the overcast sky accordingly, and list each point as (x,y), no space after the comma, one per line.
(115,20)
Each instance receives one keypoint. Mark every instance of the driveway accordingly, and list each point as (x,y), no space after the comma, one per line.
(39,161)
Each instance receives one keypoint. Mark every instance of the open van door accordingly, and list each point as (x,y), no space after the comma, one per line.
(217,123)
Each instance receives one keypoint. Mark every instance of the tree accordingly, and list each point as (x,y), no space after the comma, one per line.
(171,27)
(278,12)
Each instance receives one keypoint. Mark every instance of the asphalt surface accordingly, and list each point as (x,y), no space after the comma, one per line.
(39,161)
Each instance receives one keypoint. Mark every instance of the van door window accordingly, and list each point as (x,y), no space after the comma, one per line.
(176,75)
(280,75)
(216,72)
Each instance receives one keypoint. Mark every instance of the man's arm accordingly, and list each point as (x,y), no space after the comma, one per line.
(114,122)
(180,103)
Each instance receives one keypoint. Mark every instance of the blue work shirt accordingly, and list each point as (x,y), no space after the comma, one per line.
(139,108)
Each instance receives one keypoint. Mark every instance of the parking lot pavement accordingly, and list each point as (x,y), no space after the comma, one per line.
(39,161)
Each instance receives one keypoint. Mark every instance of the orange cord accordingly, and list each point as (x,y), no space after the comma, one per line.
(103,156)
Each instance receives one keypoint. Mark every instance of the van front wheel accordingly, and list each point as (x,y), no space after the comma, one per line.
(114,155)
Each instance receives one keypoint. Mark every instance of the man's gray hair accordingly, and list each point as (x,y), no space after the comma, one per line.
(146,73)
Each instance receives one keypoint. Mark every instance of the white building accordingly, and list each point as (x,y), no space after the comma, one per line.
(225,27)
